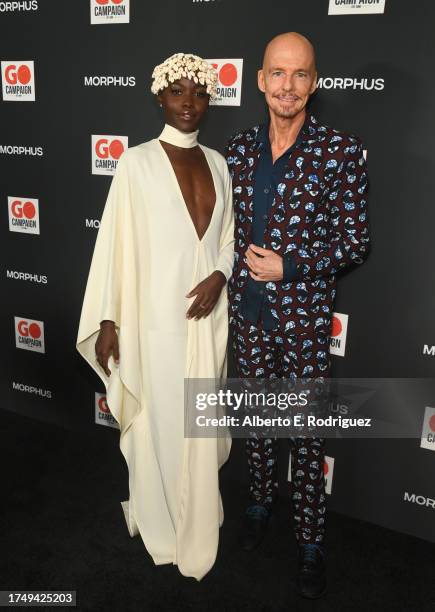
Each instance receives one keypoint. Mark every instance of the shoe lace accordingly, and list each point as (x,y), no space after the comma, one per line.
(257,512)
(310,552)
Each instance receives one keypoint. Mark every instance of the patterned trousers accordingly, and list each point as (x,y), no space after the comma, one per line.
(276,354)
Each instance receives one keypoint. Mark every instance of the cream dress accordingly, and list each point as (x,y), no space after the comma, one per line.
(147,257)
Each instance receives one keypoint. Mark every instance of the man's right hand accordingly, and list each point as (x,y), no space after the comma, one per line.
(106,344)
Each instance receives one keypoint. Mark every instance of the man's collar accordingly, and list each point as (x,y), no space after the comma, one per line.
(262,136)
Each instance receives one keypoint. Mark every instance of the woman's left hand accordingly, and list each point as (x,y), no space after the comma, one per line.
(207,294)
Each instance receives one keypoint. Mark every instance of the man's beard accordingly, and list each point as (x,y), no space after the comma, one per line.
(286,112)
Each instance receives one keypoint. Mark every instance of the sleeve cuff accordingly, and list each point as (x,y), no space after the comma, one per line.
(289,268)
(224,272)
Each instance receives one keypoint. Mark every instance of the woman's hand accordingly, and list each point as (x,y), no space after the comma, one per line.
(106,344)
(207,294)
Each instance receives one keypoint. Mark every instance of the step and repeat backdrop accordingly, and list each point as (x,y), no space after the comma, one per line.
(76,79)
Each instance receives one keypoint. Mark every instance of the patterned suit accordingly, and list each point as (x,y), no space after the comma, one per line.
(318,221)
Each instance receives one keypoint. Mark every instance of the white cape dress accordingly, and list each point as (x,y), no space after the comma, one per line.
(147,257)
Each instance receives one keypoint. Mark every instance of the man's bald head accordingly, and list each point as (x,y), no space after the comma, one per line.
(288,76)
(291,43)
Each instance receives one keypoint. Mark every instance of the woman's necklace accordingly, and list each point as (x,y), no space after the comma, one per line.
(186,140)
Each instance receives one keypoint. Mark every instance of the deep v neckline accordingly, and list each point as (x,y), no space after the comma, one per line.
(183,201)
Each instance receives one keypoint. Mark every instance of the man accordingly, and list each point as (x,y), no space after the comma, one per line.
(300,211)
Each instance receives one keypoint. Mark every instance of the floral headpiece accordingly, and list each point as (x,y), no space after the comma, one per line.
(188,66)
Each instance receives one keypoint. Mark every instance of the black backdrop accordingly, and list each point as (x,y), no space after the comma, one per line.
(387,99)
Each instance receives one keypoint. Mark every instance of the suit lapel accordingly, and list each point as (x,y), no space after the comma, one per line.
(295,169)
(248,154)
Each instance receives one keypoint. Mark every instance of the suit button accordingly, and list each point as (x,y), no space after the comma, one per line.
(266,190)
(265,217)
(261,291)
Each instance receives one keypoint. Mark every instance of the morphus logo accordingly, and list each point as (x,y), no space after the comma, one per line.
(106,151)
(328,472)
(21,5)
(229,88)
(18,81)
(337,341)
(363,84)
(19,150)
(27,276)
(355,7)
(92,223)
(103,415)
(109,81)
(46,393)
(110,11)
(428,431)
(23,215)
(29,334)
(420,500)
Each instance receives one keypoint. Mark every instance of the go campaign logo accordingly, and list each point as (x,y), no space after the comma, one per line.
(110,11)
(355,7)
(337,341)
(18,81)
(328,472)
(29,334)
(23,215)
(428,432)
(106,151)
(103,415)
(229,88)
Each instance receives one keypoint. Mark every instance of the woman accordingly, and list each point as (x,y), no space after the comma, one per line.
(155,312)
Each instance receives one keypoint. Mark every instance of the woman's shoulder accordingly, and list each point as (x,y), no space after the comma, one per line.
(142,148)
(138,152)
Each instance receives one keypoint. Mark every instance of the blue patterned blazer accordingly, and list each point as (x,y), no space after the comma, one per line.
(318,219)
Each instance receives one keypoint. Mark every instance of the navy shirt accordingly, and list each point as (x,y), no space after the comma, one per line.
(254,306)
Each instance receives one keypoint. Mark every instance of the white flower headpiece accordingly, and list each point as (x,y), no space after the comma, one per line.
(188,66)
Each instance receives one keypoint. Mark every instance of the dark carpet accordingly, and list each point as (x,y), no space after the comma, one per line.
(63,528)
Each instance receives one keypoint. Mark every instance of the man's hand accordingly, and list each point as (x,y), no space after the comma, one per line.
(106,344)
(264,264)
(207,294)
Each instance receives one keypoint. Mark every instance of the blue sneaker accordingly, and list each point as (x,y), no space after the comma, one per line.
(254,527)
(311,579)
